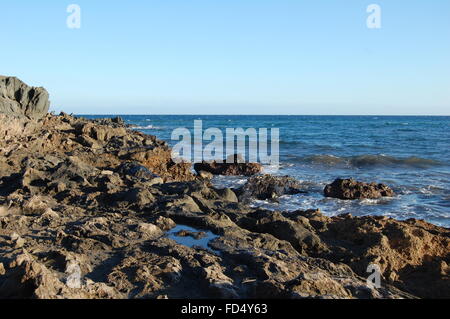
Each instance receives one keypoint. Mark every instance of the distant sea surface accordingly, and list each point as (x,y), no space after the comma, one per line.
(410,154)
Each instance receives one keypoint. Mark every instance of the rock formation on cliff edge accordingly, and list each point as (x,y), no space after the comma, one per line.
(19,99)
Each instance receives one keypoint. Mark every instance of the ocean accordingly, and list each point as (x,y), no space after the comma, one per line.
(409,153)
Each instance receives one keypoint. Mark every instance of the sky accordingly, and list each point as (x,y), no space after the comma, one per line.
(232,56)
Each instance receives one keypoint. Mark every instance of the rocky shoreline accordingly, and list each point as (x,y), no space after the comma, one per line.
(86,209)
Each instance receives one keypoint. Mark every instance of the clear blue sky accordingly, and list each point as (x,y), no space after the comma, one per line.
(232,56)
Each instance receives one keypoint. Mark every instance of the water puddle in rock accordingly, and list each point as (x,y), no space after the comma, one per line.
(192,237)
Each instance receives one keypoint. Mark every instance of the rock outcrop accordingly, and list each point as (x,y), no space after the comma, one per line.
(233,166)
(41,154)
(268,187)
(86,208)
(20,100)
(348,189)
(412,255)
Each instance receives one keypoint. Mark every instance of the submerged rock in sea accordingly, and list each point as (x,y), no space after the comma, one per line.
(268,187)
(233,166)
(348,189)
(19,99)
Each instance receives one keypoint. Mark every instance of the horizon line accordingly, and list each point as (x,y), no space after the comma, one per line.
(201,114)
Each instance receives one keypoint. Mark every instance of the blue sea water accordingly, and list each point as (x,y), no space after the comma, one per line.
(411,154)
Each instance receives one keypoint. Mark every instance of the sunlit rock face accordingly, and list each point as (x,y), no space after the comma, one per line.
(19,99)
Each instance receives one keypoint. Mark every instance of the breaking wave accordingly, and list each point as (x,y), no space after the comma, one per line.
(147,127)
(369,161)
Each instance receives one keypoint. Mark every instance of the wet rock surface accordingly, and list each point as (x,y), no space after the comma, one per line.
(268,187)
(349,189)
(86,208)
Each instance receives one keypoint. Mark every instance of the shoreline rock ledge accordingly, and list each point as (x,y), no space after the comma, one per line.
(93,209)
(20,100)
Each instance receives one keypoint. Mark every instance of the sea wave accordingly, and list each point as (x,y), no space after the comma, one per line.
(369,161)
(147,127)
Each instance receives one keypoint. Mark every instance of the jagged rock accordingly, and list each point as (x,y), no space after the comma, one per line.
(150,230)
(278,271)
(12,126)
(96,211)
(135,196)
(159,161)
(100,133)
(19,99)
(165,223)
(348,189)
(409,253)
(220,285)
(268,187)
(88,142)
(299,233)
(110,183)
(233,166)
(18,241)
(28,278)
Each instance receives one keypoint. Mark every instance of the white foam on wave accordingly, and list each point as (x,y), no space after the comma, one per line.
(228,181)
(147,127)
(271,169)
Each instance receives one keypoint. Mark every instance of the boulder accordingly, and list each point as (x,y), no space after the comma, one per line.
(234,166)
(269,187)
(227,194)
(165,223)
(21,100)
(135,196)
(149,230)
(159,161)
(136,170)
(348,189)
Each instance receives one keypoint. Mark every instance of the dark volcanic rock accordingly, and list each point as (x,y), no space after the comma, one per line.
(232,167)
(19,99)
(268,187)
(348,189)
